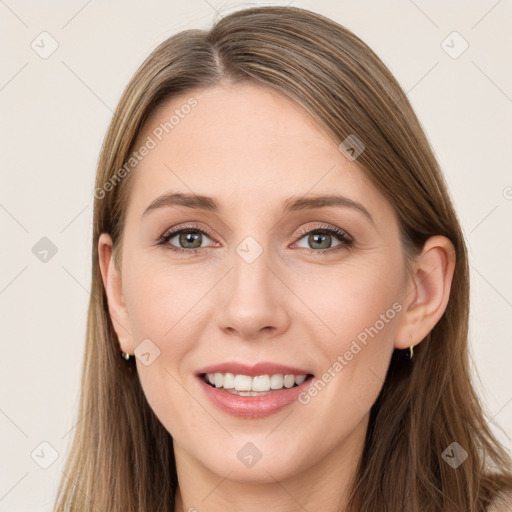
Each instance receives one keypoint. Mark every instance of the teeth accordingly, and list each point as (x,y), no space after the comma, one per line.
(242,383)
(289,381)
(299,379)
(276,381)
(228,381)
(260,383)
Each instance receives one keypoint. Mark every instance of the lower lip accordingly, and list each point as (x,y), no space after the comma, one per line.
(253,406)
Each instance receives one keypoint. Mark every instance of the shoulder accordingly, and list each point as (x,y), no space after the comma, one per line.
(502,503)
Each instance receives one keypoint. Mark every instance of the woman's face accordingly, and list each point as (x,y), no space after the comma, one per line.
(257,281)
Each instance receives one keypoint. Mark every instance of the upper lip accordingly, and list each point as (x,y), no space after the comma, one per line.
(263,368)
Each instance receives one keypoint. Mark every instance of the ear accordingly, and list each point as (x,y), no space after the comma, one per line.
(427,291)
(112,282)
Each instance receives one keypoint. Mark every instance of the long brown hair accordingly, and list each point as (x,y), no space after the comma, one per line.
(122,457)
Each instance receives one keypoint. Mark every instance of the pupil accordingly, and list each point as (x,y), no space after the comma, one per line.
(317,236)
(190,237)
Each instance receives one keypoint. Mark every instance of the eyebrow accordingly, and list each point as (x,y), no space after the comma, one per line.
(207,203)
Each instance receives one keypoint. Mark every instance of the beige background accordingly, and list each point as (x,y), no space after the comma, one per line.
(54,114)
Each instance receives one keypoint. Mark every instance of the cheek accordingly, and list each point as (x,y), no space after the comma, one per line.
(353,298)
(165,307)
(360,305)
(162,300)
(361,308)
(169,399)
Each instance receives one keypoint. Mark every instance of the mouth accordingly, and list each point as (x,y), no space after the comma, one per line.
(259,385)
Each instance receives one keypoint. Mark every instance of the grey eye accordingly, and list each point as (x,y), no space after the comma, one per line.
(189,238)
(319,240)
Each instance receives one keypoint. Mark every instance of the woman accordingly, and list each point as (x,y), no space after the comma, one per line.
(277,259)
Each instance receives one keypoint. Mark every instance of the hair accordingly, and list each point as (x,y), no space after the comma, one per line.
(122,457)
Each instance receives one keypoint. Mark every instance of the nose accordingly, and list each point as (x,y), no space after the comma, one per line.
(252,300)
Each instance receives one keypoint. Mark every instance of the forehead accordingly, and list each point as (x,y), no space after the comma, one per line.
(246,143)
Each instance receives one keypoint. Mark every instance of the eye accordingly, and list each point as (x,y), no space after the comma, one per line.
(187,239)
(320,238)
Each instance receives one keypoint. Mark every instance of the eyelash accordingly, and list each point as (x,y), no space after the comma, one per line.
(343,237)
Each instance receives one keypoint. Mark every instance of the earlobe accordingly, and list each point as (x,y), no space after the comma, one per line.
(428,292)
(112,283)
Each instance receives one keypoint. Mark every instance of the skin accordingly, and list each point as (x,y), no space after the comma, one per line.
(252,148)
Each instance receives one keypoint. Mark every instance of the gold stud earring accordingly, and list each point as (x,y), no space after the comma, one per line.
(124,355)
